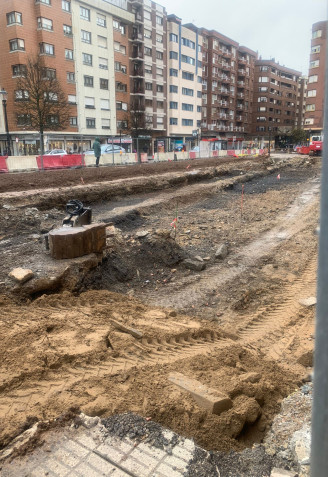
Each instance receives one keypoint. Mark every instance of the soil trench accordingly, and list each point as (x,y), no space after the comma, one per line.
(241,314)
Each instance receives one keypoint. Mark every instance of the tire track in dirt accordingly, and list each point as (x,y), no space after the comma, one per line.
(299,216)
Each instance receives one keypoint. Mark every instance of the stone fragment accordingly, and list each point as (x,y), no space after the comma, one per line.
(21,275)
(142,234)
(250,377)
(193,264)
(275,472)
(311,301)
(207,398)
(72,242)
(221,252)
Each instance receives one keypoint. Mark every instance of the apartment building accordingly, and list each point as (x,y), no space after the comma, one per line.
(275,101)
(29,28)
(314,110)
(228,81)
(148,57)
(184,82)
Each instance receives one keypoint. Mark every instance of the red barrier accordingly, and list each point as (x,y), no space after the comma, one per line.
(231,152)
(192,155)
(144,157)
(305,150)
(3,164)
(60,162)
(215,153)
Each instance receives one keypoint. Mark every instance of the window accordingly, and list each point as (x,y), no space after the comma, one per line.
(70,77)
(104,104)
(87,59)
(53,119)
(121,124)
(123,49)
(103,63)
(187,107)
(310,107)
(147,33)
(89,102)
(309,121)
(315,49)
(149,86)
(262,99)
(16,44)
(314,64)
(47,49)
(148,69)
(23,120)
(121,106)
(159,71)
(264,68)
(199,94)
(102,41)
(105,123)
(174,37)
(187,122)
(101,20)
(116,46)
(160,104)
(188,92)
(67,30)
(66,6)
(313,79)
(103,83)
(71,99)
(85,13)
(159,20)
(122,87)
(91,123)
(148,103)
(160,88)
(263,109)
(69,54)
(263,79)
(45,23)
(188,43)
(188,59)
(21,95)
(263,89)
(19,70)
(88,81)
(73,121)
(160,120)
(148,51)
(173,105)
(159,38)
(147,15)
(173,88)
(49,73)
(173,55)
(116,24)
(173,72)
(260,118)
(86,36)
(187,76)
(312,93)
(173,121)
(159,55)
(316,34)
(46,2)
(14,17)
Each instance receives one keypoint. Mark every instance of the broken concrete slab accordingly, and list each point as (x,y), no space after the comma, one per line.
(142,234)
(275,472)
(72,242)
(208,398)
(311,301)
(21,275)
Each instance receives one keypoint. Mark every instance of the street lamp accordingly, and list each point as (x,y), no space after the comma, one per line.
(4,102)
(269,129)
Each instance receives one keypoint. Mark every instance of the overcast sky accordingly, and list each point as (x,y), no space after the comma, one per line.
(279,29)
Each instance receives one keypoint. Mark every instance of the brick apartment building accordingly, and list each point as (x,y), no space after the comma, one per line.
(275,101)
(301,102)
(314,110)
(228,79)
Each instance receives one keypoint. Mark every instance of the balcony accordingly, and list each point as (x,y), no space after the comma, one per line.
(239,117)
(137,55)
(242,60)
(225,66)
(224,91)
(138,37)
(225,78)
(241,72)
(137,72)
(241,84)
(240,106)
(223,116)
(240,95)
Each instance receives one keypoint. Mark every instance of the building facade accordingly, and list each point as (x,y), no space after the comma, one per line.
(301,102)
(184,83)
(314,110)
(275,101)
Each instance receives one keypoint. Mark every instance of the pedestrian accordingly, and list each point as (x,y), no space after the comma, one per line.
(97,150)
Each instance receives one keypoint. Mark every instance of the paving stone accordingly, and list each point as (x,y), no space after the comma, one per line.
(87,441)
(60,470)
(21,275)
(158,453)
(135,466)
(168,471)
(175,462)
(145,459)
(182,453)
(208,398)
(66,457)
(110,452)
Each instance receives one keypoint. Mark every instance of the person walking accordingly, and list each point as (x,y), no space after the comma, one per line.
(97,150)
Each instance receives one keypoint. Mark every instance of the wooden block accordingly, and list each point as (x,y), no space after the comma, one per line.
(208,398)
(72,242)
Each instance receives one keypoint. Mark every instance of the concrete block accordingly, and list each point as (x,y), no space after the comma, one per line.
(72,242)
(282,473)
(21,275)
(208,398)
(311,301)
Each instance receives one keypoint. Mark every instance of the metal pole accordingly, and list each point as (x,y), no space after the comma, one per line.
(269,141)
(4,102)
(113,150)
(41,150)
(319,445)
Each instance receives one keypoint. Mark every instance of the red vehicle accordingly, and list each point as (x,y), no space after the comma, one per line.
(316,143)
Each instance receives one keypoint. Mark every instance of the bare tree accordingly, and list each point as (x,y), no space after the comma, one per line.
(138,124)
(40,101)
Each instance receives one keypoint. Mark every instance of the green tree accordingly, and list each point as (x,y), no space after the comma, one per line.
(298,136)
(40,101)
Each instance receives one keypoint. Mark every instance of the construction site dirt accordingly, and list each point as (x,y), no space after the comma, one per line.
(209,261)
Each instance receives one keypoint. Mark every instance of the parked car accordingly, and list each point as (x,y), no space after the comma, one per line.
(108,149)
(56,152)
